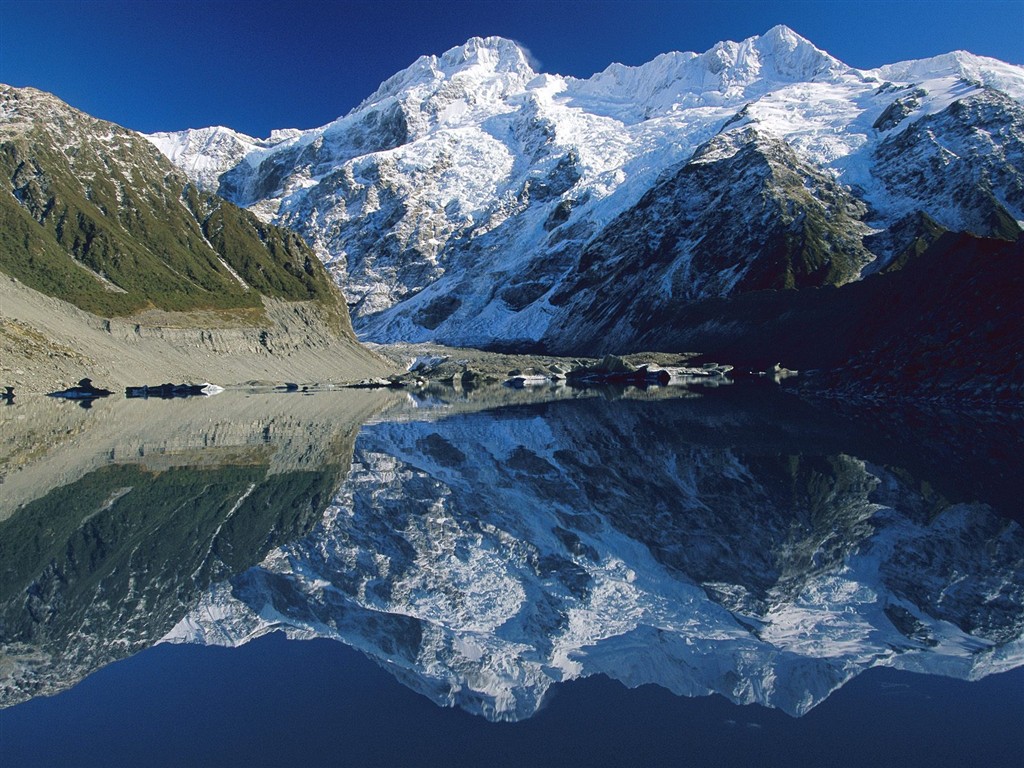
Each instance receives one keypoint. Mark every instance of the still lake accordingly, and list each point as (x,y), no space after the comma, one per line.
(724,576)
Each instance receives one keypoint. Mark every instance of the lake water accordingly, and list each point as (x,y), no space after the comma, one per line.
(670,577)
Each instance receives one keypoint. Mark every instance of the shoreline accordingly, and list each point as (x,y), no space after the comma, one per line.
(47,345)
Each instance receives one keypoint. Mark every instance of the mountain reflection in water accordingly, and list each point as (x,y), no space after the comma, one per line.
(726,544)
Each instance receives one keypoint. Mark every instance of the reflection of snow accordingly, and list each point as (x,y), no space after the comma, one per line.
(425,362)
(483,558)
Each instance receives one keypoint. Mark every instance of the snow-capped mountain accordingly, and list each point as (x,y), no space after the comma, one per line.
(204,154)
(484,558)
(473,200)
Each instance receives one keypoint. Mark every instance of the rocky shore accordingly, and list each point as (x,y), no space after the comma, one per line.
(464,368)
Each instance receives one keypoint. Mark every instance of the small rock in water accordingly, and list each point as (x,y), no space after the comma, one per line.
(520,382)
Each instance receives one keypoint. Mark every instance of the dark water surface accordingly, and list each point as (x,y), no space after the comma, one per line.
(279,702)
(734,578)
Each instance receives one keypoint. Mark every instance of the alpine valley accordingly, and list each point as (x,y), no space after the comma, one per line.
(473,201)
(686,204)
(489,513)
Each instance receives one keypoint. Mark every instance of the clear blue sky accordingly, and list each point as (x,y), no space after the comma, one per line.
(261,64)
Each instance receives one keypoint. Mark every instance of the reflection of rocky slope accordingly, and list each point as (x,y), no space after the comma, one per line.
(483,558)
(134,517)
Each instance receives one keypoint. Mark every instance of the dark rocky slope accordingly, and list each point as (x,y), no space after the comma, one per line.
(947,325)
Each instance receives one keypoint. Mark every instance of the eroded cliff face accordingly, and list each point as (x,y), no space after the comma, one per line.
(484,558)
(47,344)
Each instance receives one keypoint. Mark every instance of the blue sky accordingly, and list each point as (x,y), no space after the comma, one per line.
(257,65)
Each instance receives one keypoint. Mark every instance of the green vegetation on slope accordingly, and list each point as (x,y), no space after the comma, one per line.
(147,542)
(94,215)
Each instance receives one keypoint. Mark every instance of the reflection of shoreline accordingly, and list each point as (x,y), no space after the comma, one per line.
(47,444)
(483,558)
(113,530)
(964,455)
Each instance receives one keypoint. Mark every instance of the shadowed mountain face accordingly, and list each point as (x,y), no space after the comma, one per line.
(484,558)
(946,326)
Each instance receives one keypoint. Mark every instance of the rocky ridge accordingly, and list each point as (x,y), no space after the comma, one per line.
(110,254)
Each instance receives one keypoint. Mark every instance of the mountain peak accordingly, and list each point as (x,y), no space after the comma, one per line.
(784,35)
(497,54)
(992,73)
(27,102)
(779,55)
(486,58)
(791,55)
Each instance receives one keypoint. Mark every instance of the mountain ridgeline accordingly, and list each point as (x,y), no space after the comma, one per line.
(471,200)
(95,216)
